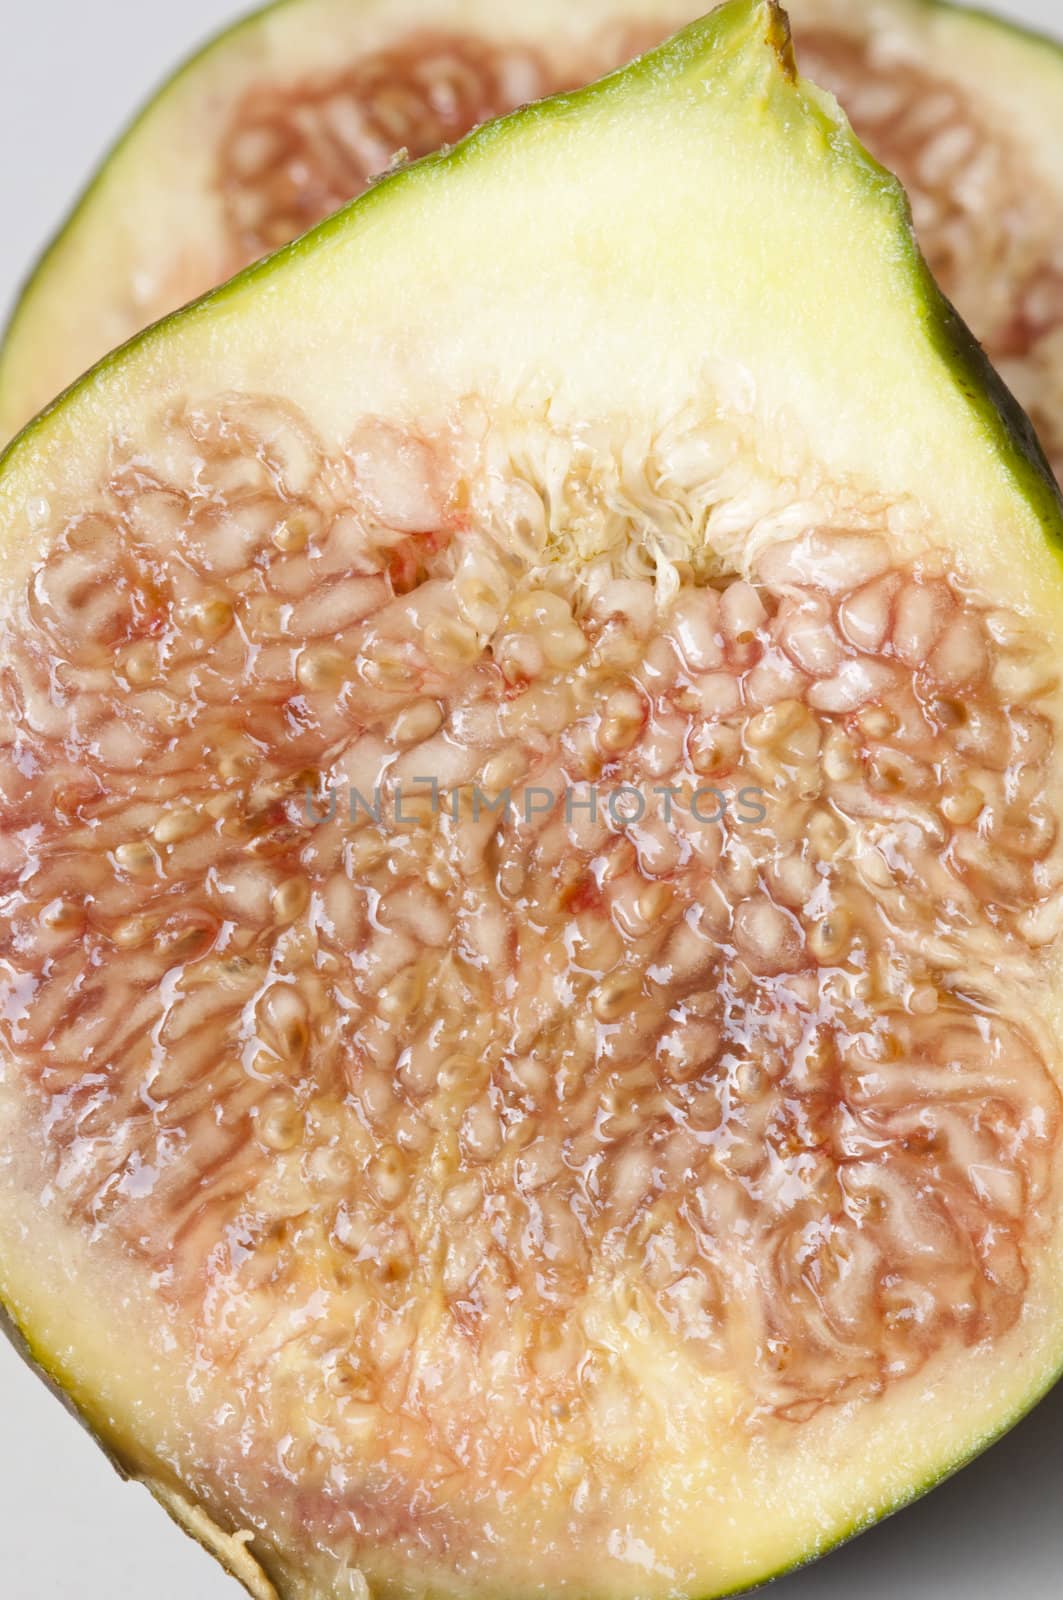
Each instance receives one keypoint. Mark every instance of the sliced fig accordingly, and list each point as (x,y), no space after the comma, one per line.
(532,881)
(295,111)
(967,109)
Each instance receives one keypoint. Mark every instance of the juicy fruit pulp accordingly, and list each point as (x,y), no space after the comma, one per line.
(762,1033)
(532,883)
(293,130)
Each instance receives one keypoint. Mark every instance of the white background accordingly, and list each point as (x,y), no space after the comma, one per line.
(71,72)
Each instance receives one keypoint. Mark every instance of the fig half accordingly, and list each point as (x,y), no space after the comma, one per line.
(285,117)
(532,882)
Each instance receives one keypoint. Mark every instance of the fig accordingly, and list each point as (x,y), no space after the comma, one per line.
(530,777)
(293,112)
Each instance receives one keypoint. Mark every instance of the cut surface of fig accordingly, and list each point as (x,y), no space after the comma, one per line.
(294,113)
(531,870)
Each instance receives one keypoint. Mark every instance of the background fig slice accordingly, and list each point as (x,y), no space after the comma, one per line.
(966,109)
(290,113)
(428,1196)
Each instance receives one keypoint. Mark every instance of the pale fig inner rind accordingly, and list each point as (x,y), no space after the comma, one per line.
(298,132)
